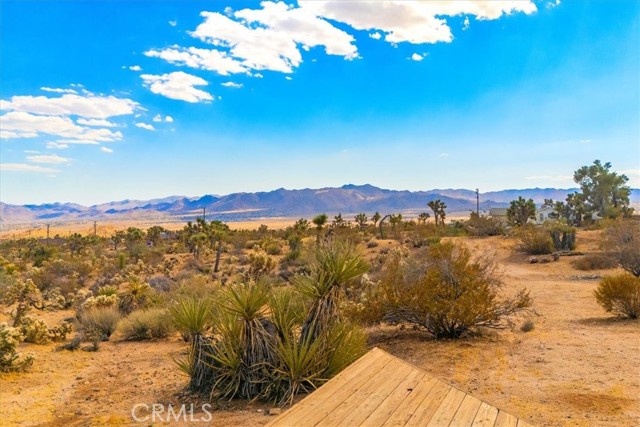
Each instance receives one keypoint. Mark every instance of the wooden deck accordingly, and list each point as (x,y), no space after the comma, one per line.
(381,390)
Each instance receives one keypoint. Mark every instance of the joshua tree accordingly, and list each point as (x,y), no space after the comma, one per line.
(319,222)
(521,211)
(423,217)
(375,218)
(361,219)
(438,207)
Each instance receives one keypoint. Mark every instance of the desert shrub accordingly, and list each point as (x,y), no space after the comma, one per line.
(60,332)
(620,295)
(34,331)
(260,264)
(534,240)
(100,321)
(146,324)
(594,262)
(484,226)
(160,283)
(445,291)
(10,359)
(528,326)
(622,241)
(271,245)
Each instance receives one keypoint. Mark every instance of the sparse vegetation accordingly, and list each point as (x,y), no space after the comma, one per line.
(148,324)
(594,262)
(100,321)
(620,295)
(534,240)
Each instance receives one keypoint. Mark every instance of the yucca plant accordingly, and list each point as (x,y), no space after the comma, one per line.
(288,311)
(194,317)
(136,294)
(334,266)
(107,291)
(344,344)
(246,347)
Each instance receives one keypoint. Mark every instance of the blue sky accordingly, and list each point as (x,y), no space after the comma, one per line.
(111,100)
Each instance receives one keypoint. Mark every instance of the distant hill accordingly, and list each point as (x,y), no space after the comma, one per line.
(347,199)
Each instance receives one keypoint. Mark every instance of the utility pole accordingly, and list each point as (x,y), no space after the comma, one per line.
(478,203)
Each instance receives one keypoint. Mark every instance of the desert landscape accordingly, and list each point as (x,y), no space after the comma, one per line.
(313,213)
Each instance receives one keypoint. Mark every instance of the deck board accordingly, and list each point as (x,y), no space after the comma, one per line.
(381,390)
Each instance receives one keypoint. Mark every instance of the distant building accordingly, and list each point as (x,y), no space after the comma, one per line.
(499,213)
(544,214)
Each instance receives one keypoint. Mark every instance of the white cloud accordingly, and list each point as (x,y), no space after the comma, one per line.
(18,124)
(106,150)
(57,90)
(269,38)
(466,24)
(552,4)
(135,68)
(203,59)
(48,159)
(443,155)
(177,85)
(375,36)
(173,23)
(96,122)
(158,119)
(415,22)
(77,141)
(31,151)
(91,106)
(232,85)
(24,167)
(288,78)
(57,145)
(417,57)
(145,126)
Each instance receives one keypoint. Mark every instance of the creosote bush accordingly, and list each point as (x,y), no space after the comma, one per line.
(534,240)
(620,295)
(445,291)
(594,262)
(621,240)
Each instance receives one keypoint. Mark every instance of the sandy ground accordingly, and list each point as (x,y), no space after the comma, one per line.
(578,367)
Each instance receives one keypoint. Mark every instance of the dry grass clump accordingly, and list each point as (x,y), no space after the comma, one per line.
(148,324)
(100,321)
(594,262)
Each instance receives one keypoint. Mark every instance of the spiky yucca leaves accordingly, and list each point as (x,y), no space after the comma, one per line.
(136,294)
(344,344)
(246,347)
(334,266)
(288,310)
(194,317)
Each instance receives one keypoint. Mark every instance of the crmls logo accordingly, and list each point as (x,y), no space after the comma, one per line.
(158,412)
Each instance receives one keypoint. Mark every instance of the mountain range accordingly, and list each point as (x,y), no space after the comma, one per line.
(347,199)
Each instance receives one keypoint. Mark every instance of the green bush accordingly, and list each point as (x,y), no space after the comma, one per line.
(10,359)
(484,226)
(100,321)
(534,240)
(34,331)
(620,295)
(445,291)
(146,324)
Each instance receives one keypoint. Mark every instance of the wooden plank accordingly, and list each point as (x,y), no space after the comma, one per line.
(486,416)
(467,411)
(405,410)
(505,419)
(360,405)
(428,407)
(522,423)
(362,367)
(382,413)
(447,408)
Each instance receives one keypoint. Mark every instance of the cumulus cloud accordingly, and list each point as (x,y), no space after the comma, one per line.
(90,106)
(177,85)
(415,22)
(96,122)
(173,23)
(57,145)
(466,24)
(17,124)
(135,68)
(146,126)
(232,85)
(375,36)
(48,159)
(24,167)
(417,57)
(106,150)
(168,119)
